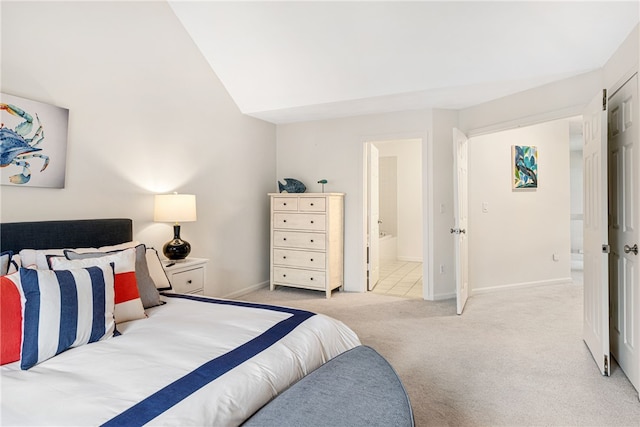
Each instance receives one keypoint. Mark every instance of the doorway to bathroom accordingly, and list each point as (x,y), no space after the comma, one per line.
(394,217)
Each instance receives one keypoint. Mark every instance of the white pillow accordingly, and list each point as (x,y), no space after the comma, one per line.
(37,258)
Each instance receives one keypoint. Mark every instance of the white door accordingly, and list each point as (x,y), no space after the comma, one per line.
(461,248)
(624,211)
(373,239)
(596,288)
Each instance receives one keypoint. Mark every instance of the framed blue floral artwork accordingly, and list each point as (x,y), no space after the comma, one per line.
(524,167)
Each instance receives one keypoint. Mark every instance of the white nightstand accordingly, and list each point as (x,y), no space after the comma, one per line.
(187,276)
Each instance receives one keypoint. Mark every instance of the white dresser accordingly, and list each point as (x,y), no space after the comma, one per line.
(307,240)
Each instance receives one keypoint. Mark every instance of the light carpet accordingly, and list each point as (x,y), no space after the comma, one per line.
(514,358)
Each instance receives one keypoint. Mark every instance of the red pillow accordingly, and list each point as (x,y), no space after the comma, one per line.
(10,319)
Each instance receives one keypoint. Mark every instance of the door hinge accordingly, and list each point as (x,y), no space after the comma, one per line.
(606,365)
(368,264)
(604,100)
(606,249)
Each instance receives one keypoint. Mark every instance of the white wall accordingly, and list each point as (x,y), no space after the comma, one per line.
(623,63)
(514,242)
(388,195)
(409,186)
(577,211)
(147,116)
(333,149)
(561,99)
(444,284)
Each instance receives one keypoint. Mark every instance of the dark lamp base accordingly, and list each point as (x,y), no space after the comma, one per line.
(177,248)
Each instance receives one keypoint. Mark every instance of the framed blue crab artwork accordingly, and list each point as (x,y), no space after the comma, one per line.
(33,143)
(524,167)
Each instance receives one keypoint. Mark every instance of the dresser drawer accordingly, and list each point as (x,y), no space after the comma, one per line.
(285,204)
(296,239)
(304,278)
(189,281)
(299,258)
(311,204)
(312,222)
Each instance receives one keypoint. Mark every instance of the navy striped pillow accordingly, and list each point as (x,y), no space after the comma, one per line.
(64,309)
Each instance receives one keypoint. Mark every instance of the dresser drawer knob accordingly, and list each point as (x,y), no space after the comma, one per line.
(311,240)
(311,204)
(311,259)
(285,239)
(284,275)
(284,220)
(311,222)
(311,278)
(284,257)
(189,281)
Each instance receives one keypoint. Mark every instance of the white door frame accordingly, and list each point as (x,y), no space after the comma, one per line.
(373,218)
(427,191)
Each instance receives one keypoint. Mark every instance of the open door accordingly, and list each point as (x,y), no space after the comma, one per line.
(461,248)
(624,229)
(373,218)
(596,246)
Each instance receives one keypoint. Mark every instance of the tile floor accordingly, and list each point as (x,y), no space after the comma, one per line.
(400,278)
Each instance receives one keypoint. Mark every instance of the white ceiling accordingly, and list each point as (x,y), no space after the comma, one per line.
(294,61)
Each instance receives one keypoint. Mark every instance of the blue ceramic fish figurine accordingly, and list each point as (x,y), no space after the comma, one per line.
(291,186)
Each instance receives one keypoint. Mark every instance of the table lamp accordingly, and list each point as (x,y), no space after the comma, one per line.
(175,208)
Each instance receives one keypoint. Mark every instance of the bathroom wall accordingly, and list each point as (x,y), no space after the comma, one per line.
(408,155)
(388,196)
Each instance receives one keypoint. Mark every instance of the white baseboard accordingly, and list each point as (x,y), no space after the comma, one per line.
(241,292)
(522,285)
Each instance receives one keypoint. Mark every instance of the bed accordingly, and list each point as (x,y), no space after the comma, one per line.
(191,360)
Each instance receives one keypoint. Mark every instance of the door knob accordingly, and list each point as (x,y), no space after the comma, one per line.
(633,249)
(458,231)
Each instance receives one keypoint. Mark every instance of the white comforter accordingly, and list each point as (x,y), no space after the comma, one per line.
(94,384)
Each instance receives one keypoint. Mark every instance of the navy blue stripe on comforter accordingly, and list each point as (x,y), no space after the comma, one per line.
(172,394)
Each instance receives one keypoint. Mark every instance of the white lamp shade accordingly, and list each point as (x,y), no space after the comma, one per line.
(175,208)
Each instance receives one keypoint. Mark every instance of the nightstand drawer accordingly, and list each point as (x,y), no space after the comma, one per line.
(313,222)
(190,281)
(299,258)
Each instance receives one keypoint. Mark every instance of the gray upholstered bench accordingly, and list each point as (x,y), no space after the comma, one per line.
(357,388)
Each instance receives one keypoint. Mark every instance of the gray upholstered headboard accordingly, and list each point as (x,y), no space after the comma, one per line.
(80,233)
